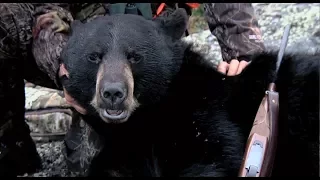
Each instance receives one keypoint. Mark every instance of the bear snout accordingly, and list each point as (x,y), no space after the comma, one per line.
(113,94)
(113,98)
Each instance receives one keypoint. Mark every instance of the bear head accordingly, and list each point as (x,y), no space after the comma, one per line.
(116,63)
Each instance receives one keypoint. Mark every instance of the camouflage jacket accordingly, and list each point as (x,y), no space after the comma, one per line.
(236,28)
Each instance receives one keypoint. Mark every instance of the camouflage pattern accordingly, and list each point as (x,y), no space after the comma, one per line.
(16,38)
(47,113)
(236,28)
(17,150)
(87,11)
(18,153)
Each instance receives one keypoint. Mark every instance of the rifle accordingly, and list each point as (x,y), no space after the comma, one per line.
(262,142)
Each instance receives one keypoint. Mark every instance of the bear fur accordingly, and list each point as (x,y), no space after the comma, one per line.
(189,120)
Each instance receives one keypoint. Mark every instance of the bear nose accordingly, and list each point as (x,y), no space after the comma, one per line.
(113,93)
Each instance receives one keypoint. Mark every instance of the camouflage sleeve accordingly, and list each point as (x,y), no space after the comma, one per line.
(47,55)
(43,8)
(16,38)
(16,24)
(236,28)
(15,29)
(47,43)
(47,112)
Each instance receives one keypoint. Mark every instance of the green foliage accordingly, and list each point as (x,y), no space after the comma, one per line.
(199,11)
(197,21)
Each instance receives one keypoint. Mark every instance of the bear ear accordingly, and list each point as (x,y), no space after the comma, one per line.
(175,24)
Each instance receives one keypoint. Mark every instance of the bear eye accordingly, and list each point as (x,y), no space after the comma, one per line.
(95,58)
(134,58)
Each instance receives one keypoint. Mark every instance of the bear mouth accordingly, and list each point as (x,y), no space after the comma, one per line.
(113,116)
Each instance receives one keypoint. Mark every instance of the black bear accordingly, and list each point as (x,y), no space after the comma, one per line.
(163,110)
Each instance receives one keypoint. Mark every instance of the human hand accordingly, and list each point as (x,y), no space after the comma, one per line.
(70,100)
(234,68)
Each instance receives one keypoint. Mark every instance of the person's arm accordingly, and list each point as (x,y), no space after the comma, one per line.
(50,32)
(51,29)
(236,29)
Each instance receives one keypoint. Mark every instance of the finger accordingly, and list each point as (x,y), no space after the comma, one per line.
(223,67)
(68,98)
(79,109)
(71,101)
(63,71)
(241,66)
(233,67)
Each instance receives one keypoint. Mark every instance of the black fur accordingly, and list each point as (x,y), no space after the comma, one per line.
(192,121)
